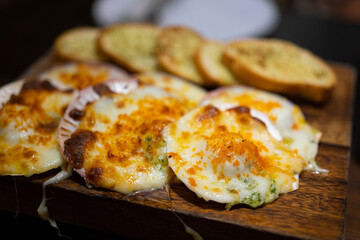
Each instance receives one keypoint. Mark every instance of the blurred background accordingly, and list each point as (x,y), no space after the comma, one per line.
(328,28)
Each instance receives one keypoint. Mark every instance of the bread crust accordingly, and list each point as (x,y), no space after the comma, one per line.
(201,58)
(104,48)
(309,88)
(165,51)
(66,56)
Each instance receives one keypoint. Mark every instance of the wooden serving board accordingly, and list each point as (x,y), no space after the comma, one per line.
(315,211)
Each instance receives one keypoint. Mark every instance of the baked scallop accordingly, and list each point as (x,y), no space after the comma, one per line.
(112,135)
(31,110)
(230,156)
(28,129)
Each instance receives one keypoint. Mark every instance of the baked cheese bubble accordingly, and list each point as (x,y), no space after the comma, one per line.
(286,116)
(112,135)
(230,157)
(28,129)
(177,86)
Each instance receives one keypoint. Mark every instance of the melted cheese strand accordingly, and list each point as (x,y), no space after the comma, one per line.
(189,230)
(296,183)
(316,169)
(43,210)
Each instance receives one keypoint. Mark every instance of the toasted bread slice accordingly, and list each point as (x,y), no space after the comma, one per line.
(175,50)
(78,44)
(280,66)
(131,45)
(209,62)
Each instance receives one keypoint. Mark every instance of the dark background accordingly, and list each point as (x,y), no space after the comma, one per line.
(330,29)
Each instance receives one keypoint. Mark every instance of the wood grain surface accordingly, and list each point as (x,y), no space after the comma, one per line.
(314,211)
(333,118)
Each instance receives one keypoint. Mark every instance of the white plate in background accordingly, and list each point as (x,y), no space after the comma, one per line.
(222,19)
(215,19)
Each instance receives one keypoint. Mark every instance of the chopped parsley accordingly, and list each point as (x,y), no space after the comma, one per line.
(253,200)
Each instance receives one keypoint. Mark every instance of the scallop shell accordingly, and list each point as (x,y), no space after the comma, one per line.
(9,89)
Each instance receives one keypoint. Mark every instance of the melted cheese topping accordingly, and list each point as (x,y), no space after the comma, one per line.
(188,92)
(28,127)
(81,75)
(120,140)
(287,117)
(229,157)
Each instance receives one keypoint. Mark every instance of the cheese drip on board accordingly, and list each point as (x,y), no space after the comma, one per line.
(195,235)
(43,210)
(286,116)
(114,138)
(230,157)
